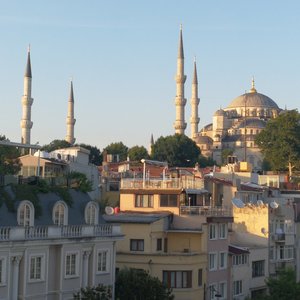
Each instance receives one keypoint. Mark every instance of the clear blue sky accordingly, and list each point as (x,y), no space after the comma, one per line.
(122,57)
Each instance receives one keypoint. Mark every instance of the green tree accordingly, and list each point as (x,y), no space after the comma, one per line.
(206,161)
(80,182)
(9,161)
(134,284)
(100,292)
(95,156)
(284,286)
(178,150)
(56,144)
(136,153)
(279,141)
(225,153)
(117,148)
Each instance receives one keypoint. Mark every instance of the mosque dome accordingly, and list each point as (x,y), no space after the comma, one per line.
(219,112)
(253,99)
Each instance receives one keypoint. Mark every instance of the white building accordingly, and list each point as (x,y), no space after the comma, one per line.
(51,249)
(77,159)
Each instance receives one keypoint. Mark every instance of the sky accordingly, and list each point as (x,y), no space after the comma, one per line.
(121,56)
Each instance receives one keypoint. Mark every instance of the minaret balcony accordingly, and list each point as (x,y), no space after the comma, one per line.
(180,101)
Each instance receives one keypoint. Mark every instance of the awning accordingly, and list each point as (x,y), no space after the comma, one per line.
(237,250)
(196,191)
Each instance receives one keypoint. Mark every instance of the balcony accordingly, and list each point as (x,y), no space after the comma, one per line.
(20,233)
(173,183)
(205,211)
(278,237)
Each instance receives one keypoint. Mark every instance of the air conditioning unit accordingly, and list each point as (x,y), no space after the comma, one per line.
(186,250)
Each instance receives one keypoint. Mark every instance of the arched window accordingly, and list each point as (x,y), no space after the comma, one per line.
(26,213)
(91,213)
(60,213)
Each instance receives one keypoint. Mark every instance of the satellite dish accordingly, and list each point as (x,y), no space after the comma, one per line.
(274,204)
(109,210)
(264,231)
(238,203)
(259,203)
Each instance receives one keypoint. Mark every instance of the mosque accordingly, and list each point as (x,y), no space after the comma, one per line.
(233,128)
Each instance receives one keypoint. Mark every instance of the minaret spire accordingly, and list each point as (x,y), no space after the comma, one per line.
(70,117)
(26,123)
(253,90)
(194,104)
(180,79)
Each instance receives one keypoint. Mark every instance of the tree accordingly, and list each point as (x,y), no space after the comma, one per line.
(206,161)
(56,144)
(117,148)
(9,161)
(178,150)
(80,182)
(225,153)
(95,156)
(136,284)
(284,286)
(137,153)
(279,141)
(100,292)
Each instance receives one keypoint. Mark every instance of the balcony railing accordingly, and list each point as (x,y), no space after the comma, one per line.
(173,183)
(53,232)
(204,211)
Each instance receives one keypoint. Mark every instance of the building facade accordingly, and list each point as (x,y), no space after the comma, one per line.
(50,249)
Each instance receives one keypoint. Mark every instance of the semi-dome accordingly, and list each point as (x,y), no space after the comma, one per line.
(219,112)
(253,123)
(253,99)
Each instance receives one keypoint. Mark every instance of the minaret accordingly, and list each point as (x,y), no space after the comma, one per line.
(27,101)
(151,144)
(194,104)
(70,118)
(180,78)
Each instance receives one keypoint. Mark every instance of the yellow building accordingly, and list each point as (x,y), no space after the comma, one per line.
(165,223)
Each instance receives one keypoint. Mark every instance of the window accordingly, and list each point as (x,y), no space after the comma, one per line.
(223,290)
(143,200)
(258,268)
(71,265)
(165,245)
(200,277)
(36,268)
(285,252)
(2,271)
(223,231)
(241,259)
(237,288)
(102,261)
(26,213)
(168,200)
(177,279)
(212,291)
(159,244)
(136,245)
(59,214)
(212,231)
(223,260)
(91,213)
(212,261)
